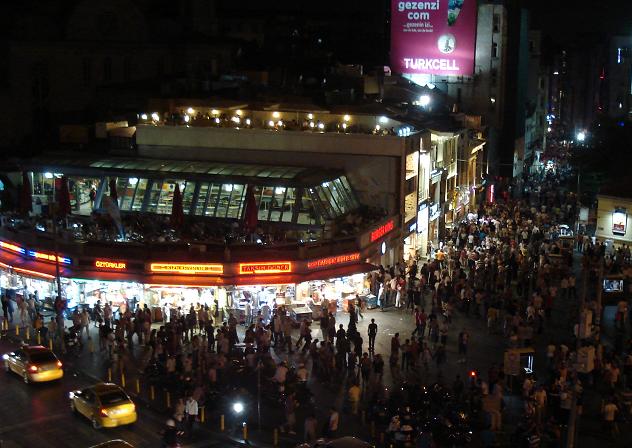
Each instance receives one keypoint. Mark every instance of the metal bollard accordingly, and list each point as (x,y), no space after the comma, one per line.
(17,330)
(168,399)
(202,415)
(28,333)
(152,393)
(39,339)
(123,379)
(275,437)
(50,344)
(245,432)
(221,423)
(109,374)
(137,386)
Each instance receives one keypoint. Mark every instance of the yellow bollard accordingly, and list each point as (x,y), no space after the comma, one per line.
(50,345)
(152,393)
(90,346)
(202,415)
(39,339)
(109,374)
(137,386)
(168,399)
(221,422)
(28,333)
(275,437)
(245,432)
(122,379)
(17,330)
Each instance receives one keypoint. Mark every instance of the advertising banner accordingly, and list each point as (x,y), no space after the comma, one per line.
(435,37)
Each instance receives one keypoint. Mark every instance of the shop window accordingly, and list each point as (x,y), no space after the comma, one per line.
(236,201)
(289,205)
(224,199)
(325,202)
(80,188)
(306,212)
(212,201)
(339,197)
(200,204)
(265,202)
(154,195)
(165,202)
(139,195)
(187,197)
(353,199)
(276,205)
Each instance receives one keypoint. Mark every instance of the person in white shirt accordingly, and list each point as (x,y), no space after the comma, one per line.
(280,374)
(191,410)
(332,423)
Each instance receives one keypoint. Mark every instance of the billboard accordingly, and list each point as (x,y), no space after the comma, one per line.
(435,37)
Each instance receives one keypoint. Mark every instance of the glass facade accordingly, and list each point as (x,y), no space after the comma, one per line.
(293,205)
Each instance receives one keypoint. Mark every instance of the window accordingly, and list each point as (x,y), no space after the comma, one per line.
(107,69)
(494,50)
(154,195)
(327,201)
(496,23)
(289,205)
(212,201)
(165,201)
(306,212)
(276,206)
(200,205)
(265,202)
(236,201)
(187,197)
(87,71)
(139,195)
(345,183)
(224,198)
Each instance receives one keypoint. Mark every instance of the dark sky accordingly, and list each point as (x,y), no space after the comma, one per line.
(565,19)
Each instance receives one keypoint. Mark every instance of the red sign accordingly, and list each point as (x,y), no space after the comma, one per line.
(436,37)
(382,230)
(105,264)
(331,261)
(277,267)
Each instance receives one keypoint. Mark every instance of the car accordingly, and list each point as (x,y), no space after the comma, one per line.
(106,405)
(34,363)
(118,443)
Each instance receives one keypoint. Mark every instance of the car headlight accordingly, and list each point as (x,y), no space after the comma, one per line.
(71,395)
(5,356)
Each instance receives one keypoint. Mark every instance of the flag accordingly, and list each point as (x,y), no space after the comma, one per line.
(251,211)
(63,197)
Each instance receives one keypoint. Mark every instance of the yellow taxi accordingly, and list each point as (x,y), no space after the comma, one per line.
(106,405)
(34,364)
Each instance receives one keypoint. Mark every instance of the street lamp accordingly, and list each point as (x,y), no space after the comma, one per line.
(238,407)
(581,136)
(424,100)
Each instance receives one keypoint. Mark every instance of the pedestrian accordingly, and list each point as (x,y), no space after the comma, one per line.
(464,338)
(395,346)
(354,397)
(290,414)
(191,411)
(372,334)
(609,412)
(7,310)
(85,323)
(311,423)
(331,425)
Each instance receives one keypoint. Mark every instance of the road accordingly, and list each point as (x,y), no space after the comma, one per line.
(38,415)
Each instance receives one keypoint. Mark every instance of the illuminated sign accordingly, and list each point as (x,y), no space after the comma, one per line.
(619,221)
(104,264)
(48,257)
(382,230)
(187,268)
(434,37)
(12,247)
(276,267)
(331,261)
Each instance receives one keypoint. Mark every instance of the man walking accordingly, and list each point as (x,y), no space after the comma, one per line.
(464,339)
(372,335)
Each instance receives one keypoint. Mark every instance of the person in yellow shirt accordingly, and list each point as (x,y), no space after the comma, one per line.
(354,397)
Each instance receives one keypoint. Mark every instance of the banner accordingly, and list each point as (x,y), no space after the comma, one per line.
(433,37)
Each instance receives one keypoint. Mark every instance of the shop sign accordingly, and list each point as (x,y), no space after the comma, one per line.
(105,264)
(435,212)
(12,247)
(619,221)
(49,257)
(382,230)
(187,268)
(332,261)
(422,218)
(277,267)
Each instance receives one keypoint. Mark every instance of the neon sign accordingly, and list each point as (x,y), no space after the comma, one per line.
(382,230)
(277,267)
(104,264)
(332,261)
(187,268)
(12,248)
(49,257)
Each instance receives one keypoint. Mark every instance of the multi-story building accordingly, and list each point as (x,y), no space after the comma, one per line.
(537,102)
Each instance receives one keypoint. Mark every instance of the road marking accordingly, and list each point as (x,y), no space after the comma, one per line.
(35,421)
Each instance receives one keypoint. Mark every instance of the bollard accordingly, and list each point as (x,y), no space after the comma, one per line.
(109,374)
(122,379)
(50,345)
(245,432)
(28,333)
(152,393)
(221,422)
(202,415)
(275,437)
(168,399)
(17,330)
(39,339)
(137,386)
(373,430)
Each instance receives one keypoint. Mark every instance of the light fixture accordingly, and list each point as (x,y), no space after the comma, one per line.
(236,119)
(377,127)
(155,116)
(187,118)
(311,124)
(424,100)
(492,100)
(383,247)
(190,111)
(271,123)
(217,120)
(238,407)
(310,116)
(581,136)
(344,126)
(214,112)
(321,126)
(279,123)
(346,118)
(383,119)
(132,180)
(239,112)
(143,116)
(248,121)
(279,190)
(276,114)
(548,129)
(48,175)
(227,187)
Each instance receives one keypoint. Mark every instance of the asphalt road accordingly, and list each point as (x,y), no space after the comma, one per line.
(38,415)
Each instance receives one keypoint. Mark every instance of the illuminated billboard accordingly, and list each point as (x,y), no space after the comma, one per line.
(436,37)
